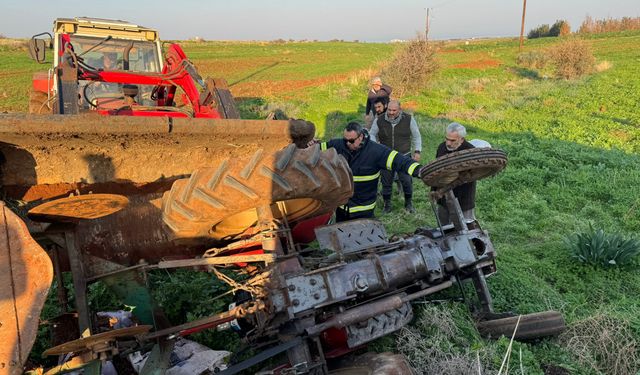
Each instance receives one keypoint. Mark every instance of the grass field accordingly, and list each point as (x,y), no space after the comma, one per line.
(573,162)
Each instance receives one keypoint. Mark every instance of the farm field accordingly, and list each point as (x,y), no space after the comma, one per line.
(574,164)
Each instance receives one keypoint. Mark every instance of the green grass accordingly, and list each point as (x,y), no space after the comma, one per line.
(573,155)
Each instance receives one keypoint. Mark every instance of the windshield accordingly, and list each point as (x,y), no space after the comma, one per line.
(109,55)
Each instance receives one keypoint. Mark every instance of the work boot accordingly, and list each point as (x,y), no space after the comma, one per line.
(387,206)
(408,206)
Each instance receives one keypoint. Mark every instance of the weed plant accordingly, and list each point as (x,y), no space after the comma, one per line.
(598,248)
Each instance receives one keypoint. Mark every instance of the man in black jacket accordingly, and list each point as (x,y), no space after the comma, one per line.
(466,193)
(366,159)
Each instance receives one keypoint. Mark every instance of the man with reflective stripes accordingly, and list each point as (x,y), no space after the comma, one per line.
(366,159)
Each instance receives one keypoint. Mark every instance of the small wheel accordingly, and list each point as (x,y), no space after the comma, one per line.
(463,167)
(531,326)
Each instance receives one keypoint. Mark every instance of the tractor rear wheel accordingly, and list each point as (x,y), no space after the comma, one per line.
(221,201)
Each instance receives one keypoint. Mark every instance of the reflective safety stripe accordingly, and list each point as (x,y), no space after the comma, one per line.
(362,208)
(366,178)
(392,155)
(412,168)
(323,146)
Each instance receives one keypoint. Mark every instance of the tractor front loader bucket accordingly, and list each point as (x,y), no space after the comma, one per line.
(25,275)
(51,156)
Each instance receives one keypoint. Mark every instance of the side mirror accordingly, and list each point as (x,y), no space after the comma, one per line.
(38,47)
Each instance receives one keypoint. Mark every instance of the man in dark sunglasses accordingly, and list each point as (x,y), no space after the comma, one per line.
(366,160)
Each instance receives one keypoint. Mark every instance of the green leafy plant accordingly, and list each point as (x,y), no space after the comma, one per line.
(539,32)
(603,249)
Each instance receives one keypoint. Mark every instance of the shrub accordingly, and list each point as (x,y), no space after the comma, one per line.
(539,32)
(603,249)
(412,67)
(560,28)
(533,59)
(572,58)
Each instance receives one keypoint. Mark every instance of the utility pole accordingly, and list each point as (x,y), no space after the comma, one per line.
(426,30)
(524,9)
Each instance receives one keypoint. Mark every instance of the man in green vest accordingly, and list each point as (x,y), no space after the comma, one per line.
(398,131)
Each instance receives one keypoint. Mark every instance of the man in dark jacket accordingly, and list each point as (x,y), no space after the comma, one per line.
(379,107)
(366,160)
(398,131)
(378,90)
(466,193)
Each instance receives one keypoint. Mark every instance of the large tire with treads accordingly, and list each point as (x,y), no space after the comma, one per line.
(531,326)
(221,201)
(465,166)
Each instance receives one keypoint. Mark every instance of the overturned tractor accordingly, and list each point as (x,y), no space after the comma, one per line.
(111,196)
(252,215)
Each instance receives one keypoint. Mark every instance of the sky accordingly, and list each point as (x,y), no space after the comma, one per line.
(364,20)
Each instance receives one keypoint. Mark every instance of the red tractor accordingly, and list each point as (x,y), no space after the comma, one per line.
(115,68)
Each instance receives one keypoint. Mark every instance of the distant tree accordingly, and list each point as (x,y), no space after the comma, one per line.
(560,28)
(539,32)
(591,26)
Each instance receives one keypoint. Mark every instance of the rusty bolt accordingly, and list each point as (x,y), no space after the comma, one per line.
(292,287)
(313,282)
(295,302)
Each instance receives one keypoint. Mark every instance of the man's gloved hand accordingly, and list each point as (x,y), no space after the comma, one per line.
(416,172)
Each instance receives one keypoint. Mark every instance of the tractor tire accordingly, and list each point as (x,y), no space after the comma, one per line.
(38,102)
(373,364)
(221,201)
(462,167)
(532,326)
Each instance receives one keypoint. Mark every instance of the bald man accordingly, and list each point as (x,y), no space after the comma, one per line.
(398,131)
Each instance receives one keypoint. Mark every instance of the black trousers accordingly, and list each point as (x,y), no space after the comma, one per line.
(387,182)
(343,215)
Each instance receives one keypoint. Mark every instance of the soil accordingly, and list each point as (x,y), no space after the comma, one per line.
(410,106)
(478,64)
